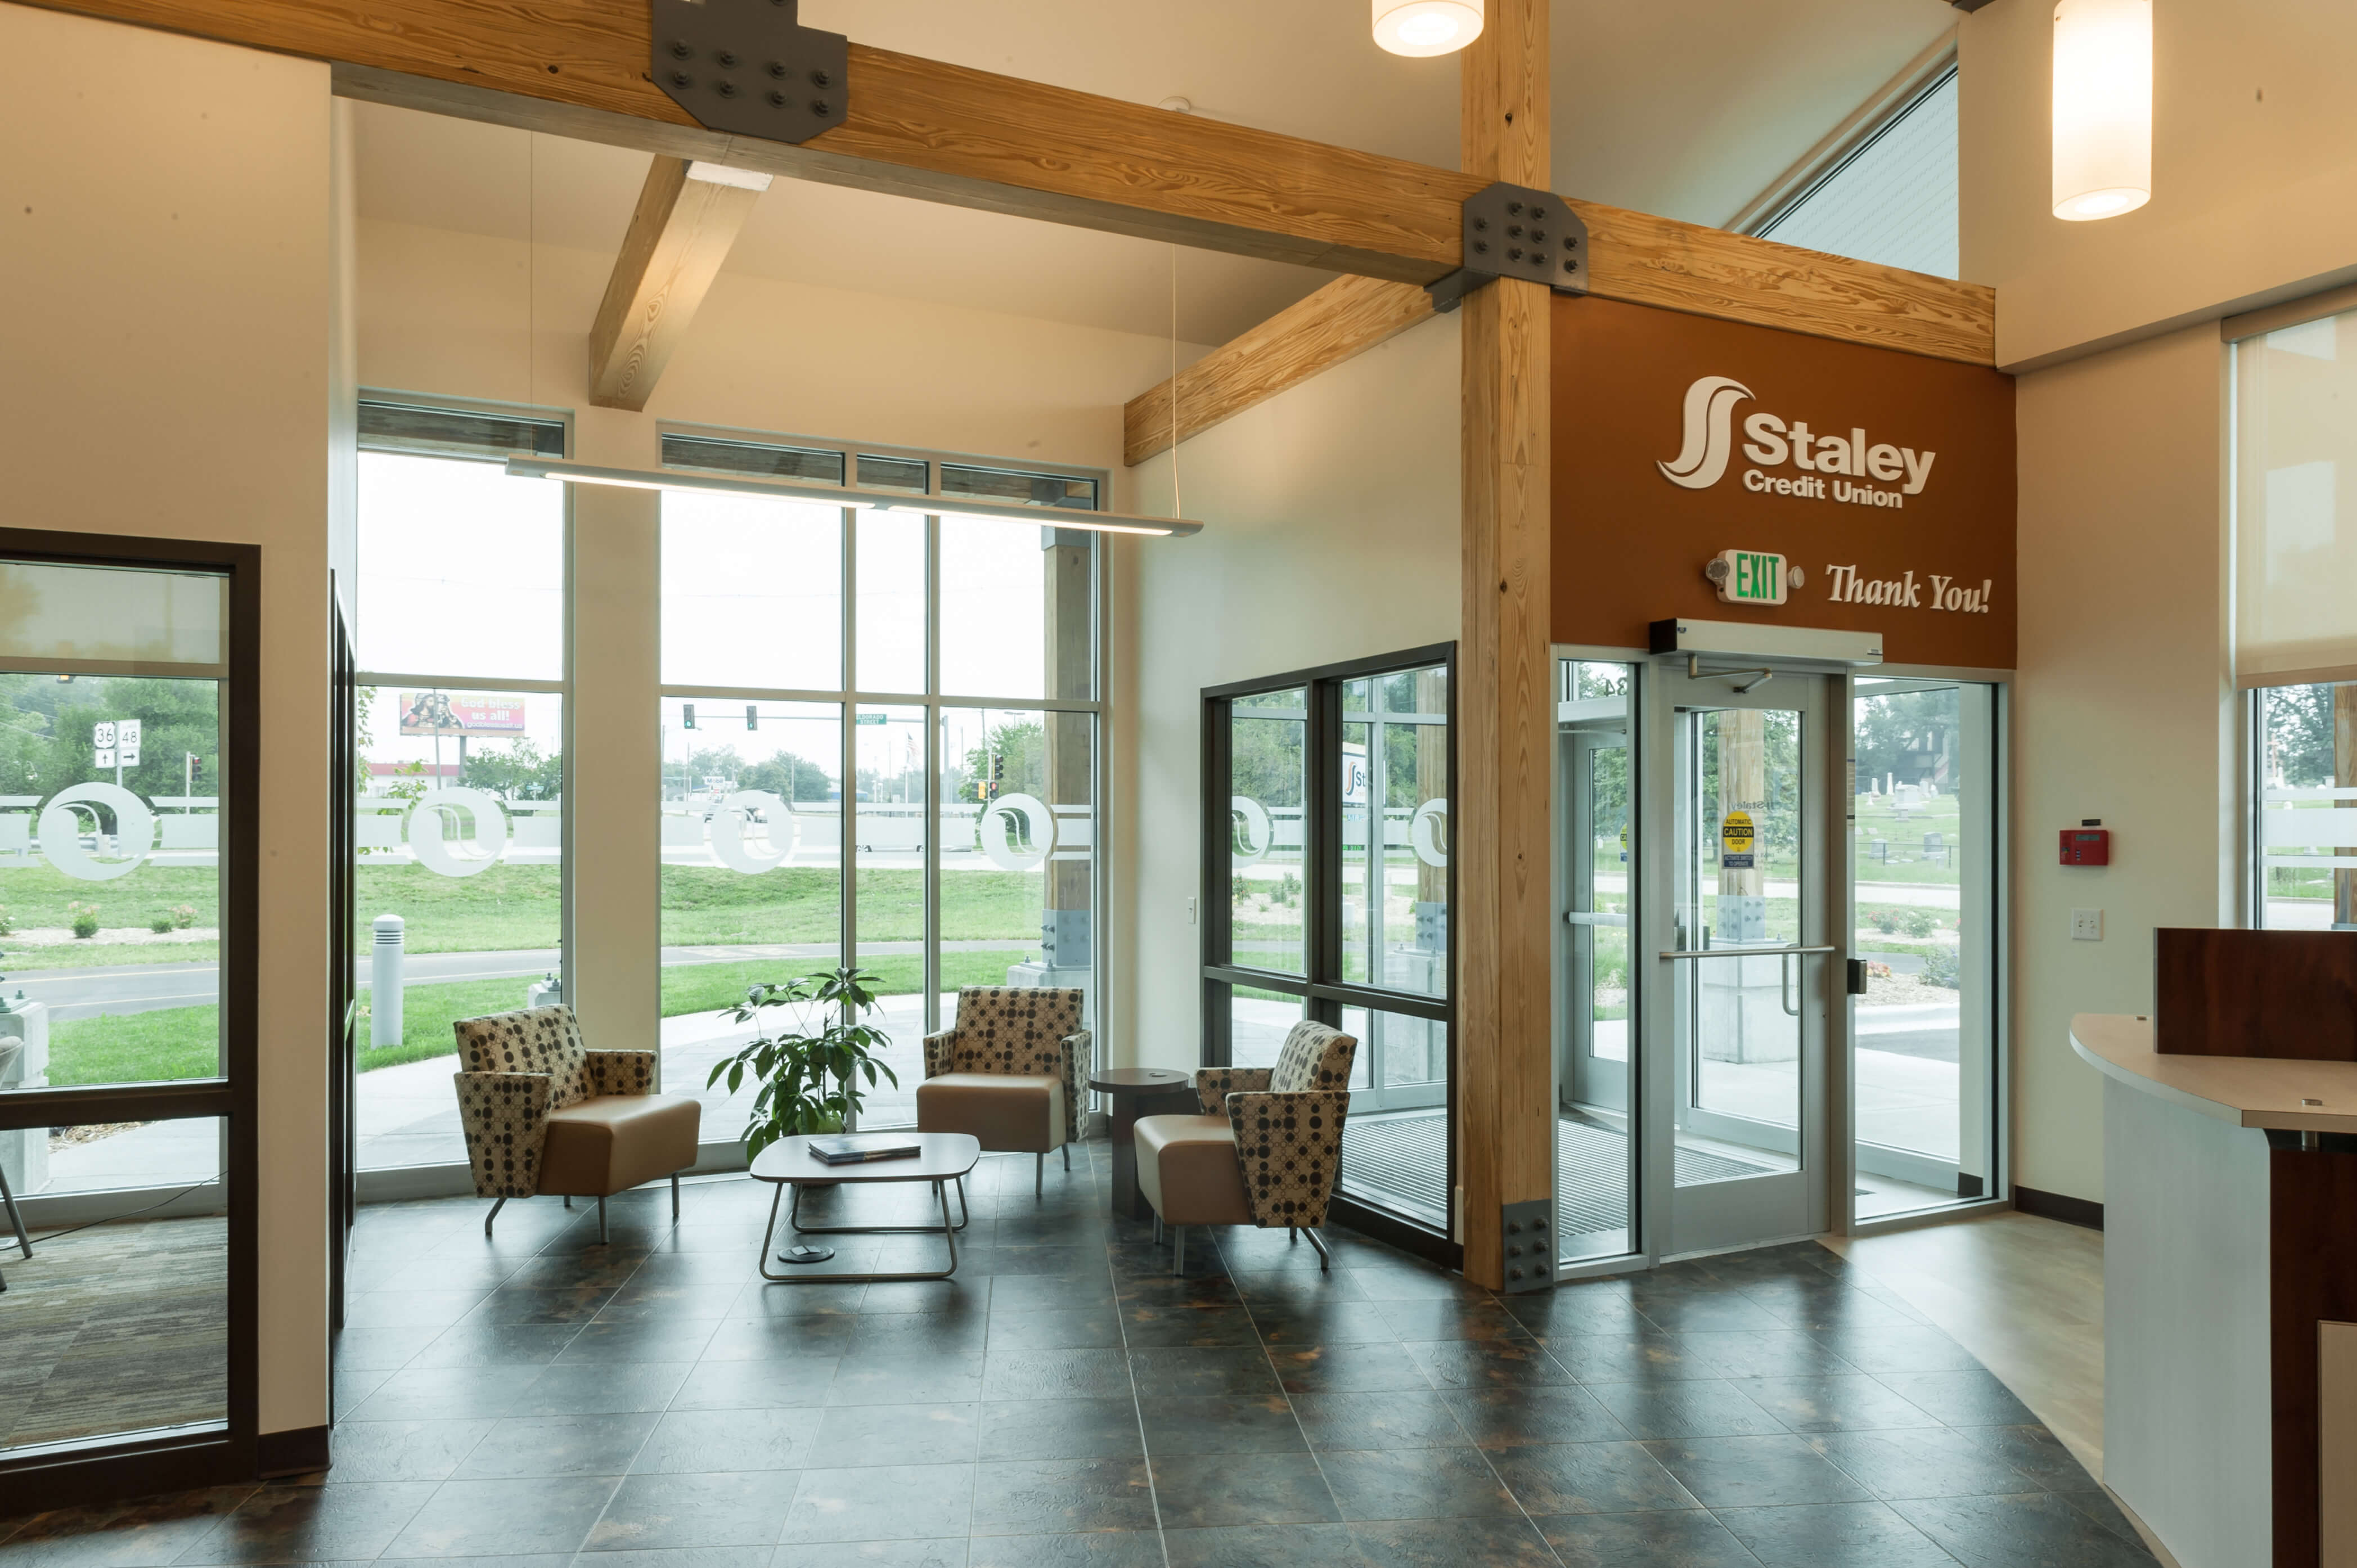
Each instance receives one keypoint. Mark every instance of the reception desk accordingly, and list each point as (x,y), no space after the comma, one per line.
(2230,1298)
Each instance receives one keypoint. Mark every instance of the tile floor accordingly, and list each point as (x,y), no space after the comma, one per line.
(542,1401)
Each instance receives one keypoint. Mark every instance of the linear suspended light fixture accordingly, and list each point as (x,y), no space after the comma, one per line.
(849,495)
(1425,28)
(2102,108)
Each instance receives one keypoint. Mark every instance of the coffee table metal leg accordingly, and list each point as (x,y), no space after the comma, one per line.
(947,1232)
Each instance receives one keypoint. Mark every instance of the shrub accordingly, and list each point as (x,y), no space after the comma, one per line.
(1883,921)
(183,915)
(1918,922)
(1239,890)
(161,924)
(8,923)
(1941,969)
(85,919)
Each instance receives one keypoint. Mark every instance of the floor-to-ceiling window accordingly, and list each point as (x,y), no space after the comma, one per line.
(880,735)
(460,884)
(1326,892)
(1596,1003)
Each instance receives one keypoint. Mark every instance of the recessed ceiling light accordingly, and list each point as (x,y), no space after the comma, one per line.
(1427,26)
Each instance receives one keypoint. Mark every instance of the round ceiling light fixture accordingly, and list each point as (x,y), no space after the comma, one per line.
(2102,108)
(1424,27)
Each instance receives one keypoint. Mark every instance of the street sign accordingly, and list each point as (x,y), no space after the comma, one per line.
(126,742)
(107,756)
(101,736)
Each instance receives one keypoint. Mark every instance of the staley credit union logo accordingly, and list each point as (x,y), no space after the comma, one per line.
(1845,468)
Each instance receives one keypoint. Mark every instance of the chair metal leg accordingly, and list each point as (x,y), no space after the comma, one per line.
(568,1203)
(494,1214)
(1068,1156)
(15,1215)
(1325,1258)
(674,1197)
(1178,1248)
(1039,1176)
(601,1222)
(1158,1230)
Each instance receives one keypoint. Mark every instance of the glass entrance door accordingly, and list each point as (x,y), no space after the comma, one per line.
(1743,957)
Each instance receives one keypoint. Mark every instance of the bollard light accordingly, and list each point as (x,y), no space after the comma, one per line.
(384,981)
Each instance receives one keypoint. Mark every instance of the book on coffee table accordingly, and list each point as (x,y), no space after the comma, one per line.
(853,1150)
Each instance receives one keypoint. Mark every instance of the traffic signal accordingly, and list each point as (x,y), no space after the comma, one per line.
(752,716)
(687,716)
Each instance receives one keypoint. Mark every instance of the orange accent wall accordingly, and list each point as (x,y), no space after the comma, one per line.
(1631,543)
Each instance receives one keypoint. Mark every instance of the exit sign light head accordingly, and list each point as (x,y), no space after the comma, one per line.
(1748,577)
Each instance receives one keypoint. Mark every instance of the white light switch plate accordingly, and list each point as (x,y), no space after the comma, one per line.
(2086,925)
(1190,909)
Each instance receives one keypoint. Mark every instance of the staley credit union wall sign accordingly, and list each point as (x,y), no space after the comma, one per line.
(1884,481)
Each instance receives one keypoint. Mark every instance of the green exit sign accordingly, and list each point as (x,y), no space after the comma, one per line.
(1749,578)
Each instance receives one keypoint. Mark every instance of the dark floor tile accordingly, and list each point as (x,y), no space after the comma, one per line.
(505,1519)
(1061,1429)
(402,1450)
(763,1339)
(381,1349)
(1343,1368)
(1219,1424)
(145,1533)
(1415,1483)
(773,1385)
(1145,1326)
(1589,1306)
(448,1393)
(1924,1461)
(667,1557)
(534,1559)
(868,1555)
(497,1345)
(674,1300)
(1251,1248)
(1055,1497)
(1692,1310)
(1452,1320)
(1179,1373)
(1398,1418)
(312,1524)
(1587,1478)
(527,1303)
(1832,1535)
(607,1267)
(2015,1532)
(895,1434)
(681,1339)
(1755,1472)
(410,1308)
(920,1334)
(1414,1282)
(1449,1542)
(1961,1398)
(1008,1293)
(1838,1309)
(1296,1287)
(2036,1452)
(1322,1323)
(1100,1373)
(1627,1358)
(1518,1418)
(906,1379)
(1854,1404)
(1197,1491)
(1052,1329)
(582,1388)
(1263,1546)
(1096,1549)
(2101,1506)
(1486,1363)
(688,1440)
(885,1502)
(1694,1407)
(728,1508)
(1689,1539)
(1780,1353)
(1900,1349)
(522,1446)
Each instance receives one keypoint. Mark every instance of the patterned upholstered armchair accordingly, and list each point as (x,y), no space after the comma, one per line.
(1011,1072)
(1265,1151)
(543,1113)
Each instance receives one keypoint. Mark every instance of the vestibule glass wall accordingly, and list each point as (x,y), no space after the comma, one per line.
(880,747)
(1327,895)
(1597,1116)
(459,729)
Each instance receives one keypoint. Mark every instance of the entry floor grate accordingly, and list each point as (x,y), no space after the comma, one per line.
(1400,1161)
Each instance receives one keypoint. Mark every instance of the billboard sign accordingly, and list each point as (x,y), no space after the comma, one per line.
(440,714)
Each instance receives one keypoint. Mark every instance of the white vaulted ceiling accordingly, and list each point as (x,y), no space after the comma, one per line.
(1681,107)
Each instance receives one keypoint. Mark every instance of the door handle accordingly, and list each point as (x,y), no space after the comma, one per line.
(1746,952)
(1783,986)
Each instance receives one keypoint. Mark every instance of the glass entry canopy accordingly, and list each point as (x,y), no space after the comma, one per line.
(1742,955)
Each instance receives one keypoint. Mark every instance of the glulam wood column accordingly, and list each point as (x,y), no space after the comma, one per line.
(1505,706)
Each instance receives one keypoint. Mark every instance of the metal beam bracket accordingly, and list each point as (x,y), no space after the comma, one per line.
(1528,1231)
(1513,231)
(749,68)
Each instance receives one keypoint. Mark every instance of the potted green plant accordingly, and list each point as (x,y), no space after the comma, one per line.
(811,1079)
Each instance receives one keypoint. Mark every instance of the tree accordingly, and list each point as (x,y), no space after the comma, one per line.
(516,771)
(788,778)
(177,719)
(1011,761)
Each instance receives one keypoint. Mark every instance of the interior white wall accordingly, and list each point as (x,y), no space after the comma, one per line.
(166,232)
(1330,532)
(2254,195)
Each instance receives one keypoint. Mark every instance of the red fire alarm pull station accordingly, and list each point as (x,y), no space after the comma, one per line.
(2089,843)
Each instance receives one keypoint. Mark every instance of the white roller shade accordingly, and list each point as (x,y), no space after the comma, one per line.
(2296,504)
(112,620)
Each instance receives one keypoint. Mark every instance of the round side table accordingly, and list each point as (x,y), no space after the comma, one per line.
(1138,1091)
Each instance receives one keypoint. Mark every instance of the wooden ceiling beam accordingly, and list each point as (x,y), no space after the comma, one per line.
(687,217)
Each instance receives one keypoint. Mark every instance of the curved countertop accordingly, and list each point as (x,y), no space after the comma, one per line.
(2250,1091)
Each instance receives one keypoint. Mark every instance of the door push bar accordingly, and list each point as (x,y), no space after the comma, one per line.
(1747,953)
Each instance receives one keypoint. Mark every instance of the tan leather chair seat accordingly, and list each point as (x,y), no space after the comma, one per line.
(1008,1114)
(617,1141)
(1186,1166)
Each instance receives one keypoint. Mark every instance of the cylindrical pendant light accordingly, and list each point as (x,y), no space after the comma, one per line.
(1427,26)
(2102,107)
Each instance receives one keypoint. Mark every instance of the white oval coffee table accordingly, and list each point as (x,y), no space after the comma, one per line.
(941,1159)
